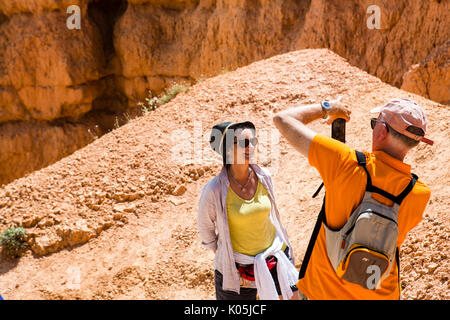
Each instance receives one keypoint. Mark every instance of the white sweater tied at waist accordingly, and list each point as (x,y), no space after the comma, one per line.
(287,273)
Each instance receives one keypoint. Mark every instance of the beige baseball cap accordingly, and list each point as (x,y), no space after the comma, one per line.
(406,117)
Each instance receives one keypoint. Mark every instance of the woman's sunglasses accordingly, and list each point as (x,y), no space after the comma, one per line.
(374,121)
(244,143)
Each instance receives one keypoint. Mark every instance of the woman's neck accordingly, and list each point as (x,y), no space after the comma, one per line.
(240,172)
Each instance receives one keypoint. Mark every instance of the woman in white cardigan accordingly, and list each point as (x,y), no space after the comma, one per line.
(239,220)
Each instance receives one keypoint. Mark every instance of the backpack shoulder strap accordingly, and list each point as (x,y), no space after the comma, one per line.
(361,157)
(408,189)
(397,257)
(312,241)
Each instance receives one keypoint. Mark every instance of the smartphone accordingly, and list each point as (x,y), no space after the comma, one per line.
(338,130)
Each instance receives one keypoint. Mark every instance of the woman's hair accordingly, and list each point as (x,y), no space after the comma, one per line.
(222,137)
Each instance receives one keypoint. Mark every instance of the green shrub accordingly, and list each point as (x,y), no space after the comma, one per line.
(172,93)
(150,104)
(153,102)
(13,241)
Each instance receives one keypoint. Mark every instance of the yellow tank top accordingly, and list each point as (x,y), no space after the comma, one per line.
(251,230)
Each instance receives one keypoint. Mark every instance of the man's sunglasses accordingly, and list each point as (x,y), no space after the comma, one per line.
(244,143)
(374,121)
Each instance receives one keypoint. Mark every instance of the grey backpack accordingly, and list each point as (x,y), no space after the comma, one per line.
(364,250)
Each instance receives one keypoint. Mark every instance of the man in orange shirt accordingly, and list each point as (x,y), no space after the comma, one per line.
(400,126)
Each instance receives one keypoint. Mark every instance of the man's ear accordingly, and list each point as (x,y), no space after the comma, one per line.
(383,132)
(379,134)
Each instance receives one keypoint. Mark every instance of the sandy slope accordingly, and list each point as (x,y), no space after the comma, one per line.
(117,229)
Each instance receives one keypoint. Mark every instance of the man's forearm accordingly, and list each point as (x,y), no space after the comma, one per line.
(305,113)
(292,123)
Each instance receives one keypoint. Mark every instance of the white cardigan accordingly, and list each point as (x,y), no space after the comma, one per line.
(213,224)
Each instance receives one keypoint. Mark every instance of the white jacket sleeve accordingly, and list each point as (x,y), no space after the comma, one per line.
(206,219)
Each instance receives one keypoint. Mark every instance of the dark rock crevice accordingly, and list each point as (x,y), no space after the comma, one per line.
(105,13)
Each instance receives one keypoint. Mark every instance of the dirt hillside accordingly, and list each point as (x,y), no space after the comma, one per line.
(117,219)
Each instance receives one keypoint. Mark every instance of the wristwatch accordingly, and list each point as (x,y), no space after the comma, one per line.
(326,106)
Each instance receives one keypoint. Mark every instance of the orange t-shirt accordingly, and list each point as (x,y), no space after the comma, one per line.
(345,184)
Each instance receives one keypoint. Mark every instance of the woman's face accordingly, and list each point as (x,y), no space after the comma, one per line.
(243,149)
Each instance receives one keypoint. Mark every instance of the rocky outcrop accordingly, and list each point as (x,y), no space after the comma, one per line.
(205,37)
(55,84)
(431,77)
(26,146)
(125,48)
(408,32)
(48,71)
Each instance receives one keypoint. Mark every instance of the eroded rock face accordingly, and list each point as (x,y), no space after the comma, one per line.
(409,31)
(125,48)
(50,79)
(27,146)
(11,7)
(205,37)
(202,39)
(47,71)
(431,77)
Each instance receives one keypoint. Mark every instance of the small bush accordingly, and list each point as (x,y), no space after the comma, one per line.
(172,93)
(13,241)
(153,102)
